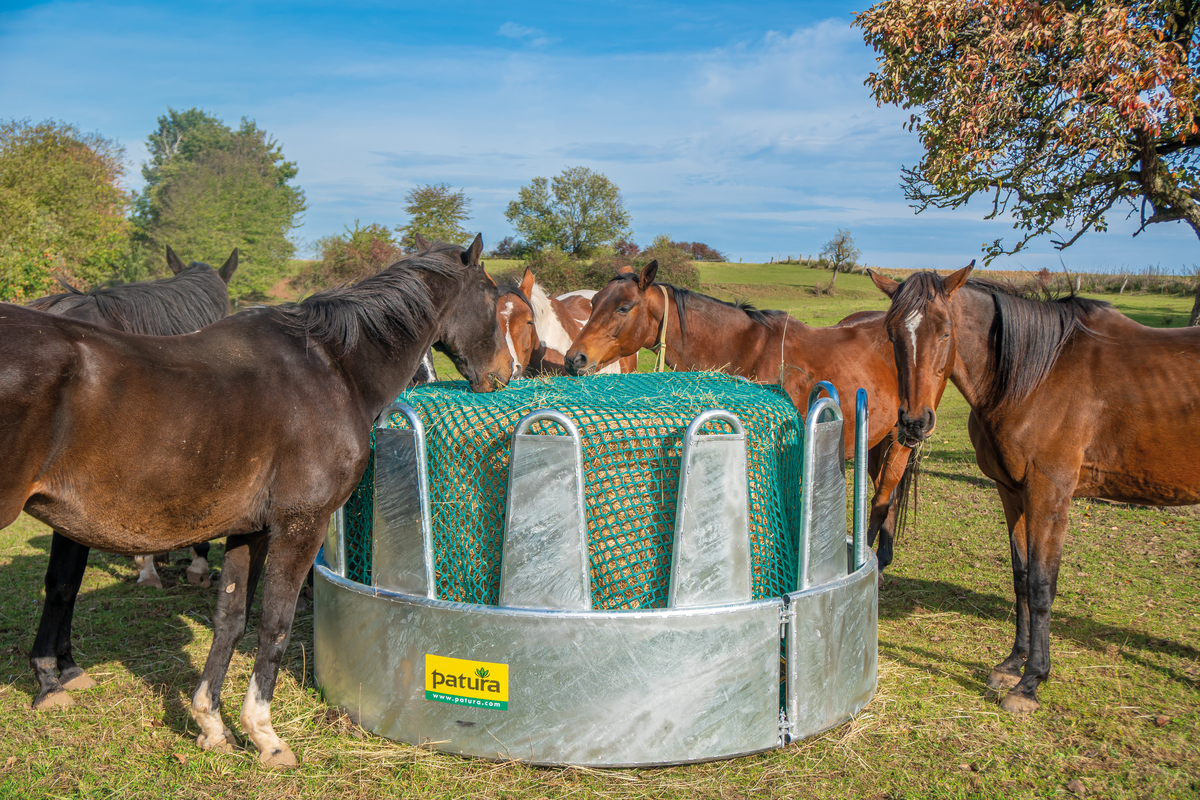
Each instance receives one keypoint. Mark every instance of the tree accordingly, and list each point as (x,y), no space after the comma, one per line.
(578,211)
(62,208)
(357,253)
(841,254)
(437,214)
(210,188)
(1057,112)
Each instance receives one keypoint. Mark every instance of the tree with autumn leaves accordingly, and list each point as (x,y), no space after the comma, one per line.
(1056,112)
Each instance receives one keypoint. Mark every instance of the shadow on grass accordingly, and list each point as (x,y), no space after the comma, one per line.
(148,631)
(902,597)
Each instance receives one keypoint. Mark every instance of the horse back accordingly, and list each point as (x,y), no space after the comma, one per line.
(119,439)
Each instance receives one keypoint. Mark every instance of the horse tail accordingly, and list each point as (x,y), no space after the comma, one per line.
(907,489)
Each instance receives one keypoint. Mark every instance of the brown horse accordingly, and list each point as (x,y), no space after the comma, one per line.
(703,333)
(195,296)
(539,329)
(1069,398)
(255,428)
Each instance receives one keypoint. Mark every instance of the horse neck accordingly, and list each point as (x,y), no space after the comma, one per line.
(716,335)
(555,328)
(974,314)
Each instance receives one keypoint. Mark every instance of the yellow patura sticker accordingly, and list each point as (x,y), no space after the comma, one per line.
(466,683)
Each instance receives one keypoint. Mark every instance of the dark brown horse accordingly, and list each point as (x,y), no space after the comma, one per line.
(1069,398)
(703,333)
(255,428)
(195,296)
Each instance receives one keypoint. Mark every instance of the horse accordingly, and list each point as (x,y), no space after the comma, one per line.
(255,428)
(539,329)
(195,296)
(765,346)
(1069,398)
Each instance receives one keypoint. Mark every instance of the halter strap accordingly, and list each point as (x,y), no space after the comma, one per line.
(660,363)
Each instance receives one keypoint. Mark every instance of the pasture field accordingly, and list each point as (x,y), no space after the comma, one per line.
(1120,714)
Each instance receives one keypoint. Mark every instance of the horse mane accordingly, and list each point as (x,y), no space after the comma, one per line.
(183,303)
(1029,333)
(387,308)
(686,298)
(513,286)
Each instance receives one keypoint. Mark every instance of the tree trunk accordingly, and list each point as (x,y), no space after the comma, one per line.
(834,278)
(1194,320)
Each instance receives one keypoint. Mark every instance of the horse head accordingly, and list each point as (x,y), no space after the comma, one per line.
(514,315)
(920,326)
(469,334)
(625,318)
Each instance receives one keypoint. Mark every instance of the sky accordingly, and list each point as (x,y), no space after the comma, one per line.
(746,126)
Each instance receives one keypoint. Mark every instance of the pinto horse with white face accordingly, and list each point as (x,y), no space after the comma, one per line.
(255,428)
(702,333)
(539,329)
(1069,398)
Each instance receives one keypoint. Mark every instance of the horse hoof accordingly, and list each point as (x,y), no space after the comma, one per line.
(280,758)
(153,582)
(198,578)
(1002,680)
(80,681)
(55,699)
(222,743)
(1015,703)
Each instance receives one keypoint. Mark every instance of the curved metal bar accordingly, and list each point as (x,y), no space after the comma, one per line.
(575,510)
(861,420)
(414,421)
(815,411)
(825,386)
(707,416)
(547,413)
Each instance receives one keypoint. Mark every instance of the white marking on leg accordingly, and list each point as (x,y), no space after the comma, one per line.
(147,575)
(256,722)
(208,717)
(911,324)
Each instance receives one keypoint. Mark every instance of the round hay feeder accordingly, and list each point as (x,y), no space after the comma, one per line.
(619,570)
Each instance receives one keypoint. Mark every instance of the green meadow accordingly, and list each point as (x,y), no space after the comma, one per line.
(1120,716)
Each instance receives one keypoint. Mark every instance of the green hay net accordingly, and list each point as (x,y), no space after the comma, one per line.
(631,427)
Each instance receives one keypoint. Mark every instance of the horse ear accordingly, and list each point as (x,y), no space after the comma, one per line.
(625,270)
(470,256)
(954,281)
(647,277)
(527,281)
(229,267)
(490,279)
(422,242)
(885,284)
(174,262)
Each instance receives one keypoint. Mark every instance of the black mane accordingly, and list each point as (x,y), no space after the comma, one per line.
(513,286)
(1027,337)
(387,308)
(183,303)
(686,298)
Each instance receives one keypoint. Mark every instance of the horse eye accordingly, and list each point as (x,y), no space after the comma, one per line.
(945,336)
(624,309)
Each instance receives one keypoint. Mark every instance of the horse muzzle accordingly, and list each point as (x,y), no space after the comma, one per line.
(578,364)
(914,430)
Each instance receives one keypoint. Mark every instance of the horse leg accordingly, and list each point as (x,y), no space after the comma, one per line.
(147,575)
(1047,507)
(286,570)
(198,570)
(887,462)
(229,625)
(1007,673)
(51,658)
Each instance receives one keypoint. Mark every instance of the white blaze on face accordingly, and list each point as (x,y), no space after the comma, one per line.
(911,324)
(512,348)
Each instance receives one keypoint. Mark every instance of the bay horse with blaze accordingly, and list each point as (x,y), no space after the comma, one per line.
(255,428)
(1069,398)
(702,333)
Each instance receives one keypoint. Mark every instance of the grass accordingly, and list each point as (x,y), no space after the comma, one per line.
(1121,712)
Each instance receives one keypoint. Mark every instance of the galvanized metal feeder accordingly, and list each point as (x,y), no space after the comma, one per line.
(535,669)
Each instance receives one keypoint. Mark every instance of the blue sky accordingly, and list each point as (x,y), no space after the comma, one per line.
(743,126)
